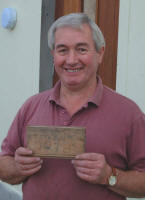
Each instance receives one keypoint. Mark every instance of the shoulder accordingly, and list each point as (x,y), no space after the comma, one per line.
(121,104)
(42,96)
(35,101)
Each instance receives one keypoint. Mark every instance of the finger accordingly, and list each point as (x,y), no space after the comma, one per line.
(86,171)
(89,156)
(29,166)
(84,164)
(23,151)
(85,177)
(24,160)
(30,171)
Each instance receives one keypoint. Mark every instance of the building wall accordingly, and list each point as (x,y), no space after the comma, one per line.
(131,48)
(19,59)
(131,51)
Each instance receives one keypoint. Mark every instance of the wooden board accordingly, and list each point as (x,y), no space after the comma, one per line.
(55,141)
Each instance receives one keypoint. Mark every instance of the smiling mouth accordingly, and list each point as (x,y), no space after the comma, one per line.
(73,70)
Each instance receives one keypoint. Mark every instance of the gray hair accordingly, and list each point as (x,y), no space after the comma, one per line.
(76,20)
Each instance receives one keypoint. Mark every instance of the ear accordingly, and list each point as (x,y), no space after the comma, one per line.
(101,54)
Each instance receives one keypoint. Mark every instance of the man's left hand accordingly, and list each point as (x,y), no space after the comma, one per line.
(92,167)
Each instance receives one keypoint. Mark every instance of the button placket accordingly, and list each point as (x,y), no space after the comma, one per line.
(65,123)
(64,118)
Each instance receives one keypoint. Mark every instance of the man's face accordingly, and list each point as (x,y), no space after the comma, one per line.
(75,58)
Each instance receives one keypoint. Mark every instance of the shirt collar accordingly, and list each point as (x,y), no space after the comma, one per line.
(55,93)
(95,99)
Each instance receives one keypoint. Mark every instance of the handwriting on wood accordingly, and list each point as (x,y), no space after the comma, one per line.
(56,141)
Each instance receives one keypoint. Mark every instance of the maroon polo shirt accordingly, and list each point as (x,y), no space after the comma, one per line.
(115,127)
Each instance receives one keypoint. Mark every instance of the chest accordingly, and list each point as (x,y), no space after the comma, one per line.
(104,133)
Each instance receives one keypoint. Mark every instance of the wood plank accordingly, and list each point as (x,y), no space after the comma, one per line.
(59,8)
(107,19)
(97,7)
(72,6)
(64,7)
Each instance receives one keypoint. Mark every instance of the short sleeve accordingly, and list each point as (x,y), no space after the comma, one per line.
(14,138)
(136,145)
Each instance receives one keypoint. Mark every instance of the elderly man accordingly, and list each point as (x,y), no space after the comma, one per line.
(113,166)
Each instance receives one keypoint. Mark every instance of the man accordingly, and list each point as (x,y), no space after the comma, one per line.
(113,166)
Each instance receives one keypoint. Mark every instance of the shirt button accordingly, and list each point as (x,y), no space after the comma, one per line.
(62,112)
(65,123)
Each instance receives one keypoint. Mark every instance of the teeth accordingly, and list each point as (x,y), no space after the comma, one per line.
(73,70)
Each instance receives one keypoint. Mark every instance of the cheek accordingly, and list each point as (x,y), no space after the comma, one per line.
(86,60)
(89,61)
(58,61)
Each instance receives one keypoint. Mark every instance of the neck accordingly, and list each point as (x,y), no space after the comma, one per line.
(73,99)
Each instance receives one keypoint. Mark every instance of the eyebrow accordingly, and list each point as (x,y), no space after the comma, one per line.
(83,44)
(77,45)
(60,46)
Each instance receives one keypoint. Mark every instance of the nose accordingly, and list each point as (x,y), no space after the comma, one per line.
(71,58)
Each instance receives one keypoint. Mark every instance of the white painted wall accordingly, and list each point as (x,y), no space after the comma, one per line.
(131,51)
(19,59)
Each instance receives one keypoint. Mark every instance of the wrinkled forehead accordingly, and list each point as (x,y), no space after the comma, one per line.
(73,26)
(73,31)
(72,37)
(83,28)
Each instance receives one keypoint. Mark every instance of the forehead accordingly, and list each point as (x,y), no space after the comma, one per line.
(71,35)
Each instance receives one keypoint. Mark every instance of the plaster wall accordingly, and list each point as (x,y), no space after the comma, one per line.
(19,59)
(131,48)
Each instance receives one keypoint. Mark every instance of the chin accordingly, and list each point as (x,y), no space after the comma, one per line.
(71,81)
(73,84)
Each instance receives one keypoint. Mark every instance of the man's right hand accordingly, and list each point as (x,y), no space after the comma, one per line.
(26,164)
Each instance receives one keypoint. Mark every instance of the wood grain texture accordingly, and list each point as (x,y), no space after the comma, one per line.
(64,7)
(107,18)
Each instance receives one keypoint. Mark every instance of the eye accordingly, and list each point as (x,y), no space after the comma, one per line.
(82,50)
(62,51)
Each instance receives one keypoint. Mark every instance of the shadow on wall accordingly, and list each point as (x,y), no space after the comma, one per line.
(8,192)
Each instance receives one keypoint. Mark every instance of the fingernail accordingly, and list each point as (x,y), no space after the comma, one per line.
(29,150)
